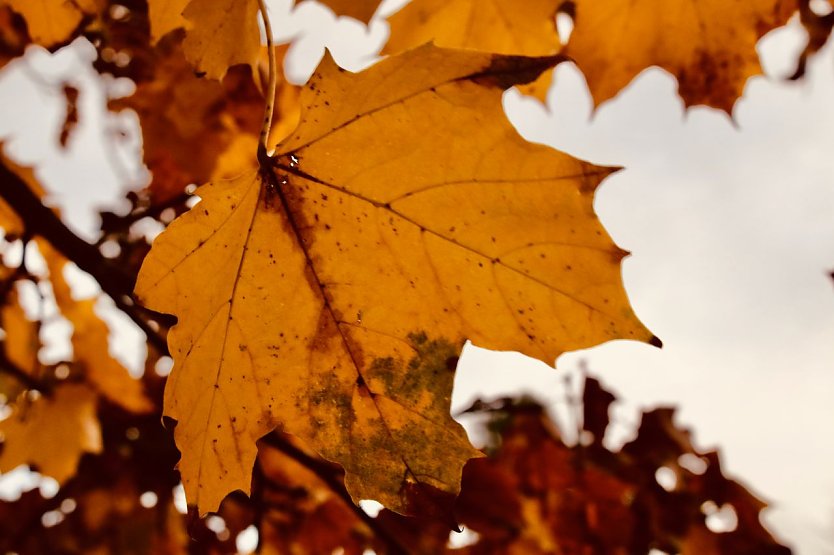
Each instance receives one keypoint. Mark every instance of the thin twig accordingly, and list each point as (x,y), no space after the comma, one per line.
(272,83)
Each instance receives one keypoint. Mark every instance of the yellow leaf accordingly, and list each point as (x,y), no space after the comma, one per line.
(189,124)
(237,158)
(92,6)
(102,371)
(363,10)
(183,127)
(21,342)
(709,45)
(90,343)
(334,299)
(165,16)
(49,21)
(500,26)
(221,33)
(461,209)
(51,433)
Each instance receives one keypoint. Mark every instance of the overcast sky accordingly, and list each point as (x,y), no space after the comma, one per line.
(731,230)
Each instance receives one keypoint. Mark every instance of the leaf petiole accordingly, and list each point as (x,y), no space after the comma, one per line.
(272,83)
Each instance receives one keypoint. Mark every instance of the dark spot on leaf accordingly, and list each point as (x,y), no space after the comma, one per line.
(504,72)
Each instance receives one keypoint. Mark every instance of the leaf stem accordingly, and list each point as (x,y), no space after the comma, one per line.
(272,85)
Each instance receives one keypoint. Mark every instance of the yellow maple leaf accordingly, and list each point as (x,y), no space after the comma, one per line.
(500,26)
(709,45)
(218,33)
(52,432)
(222,33)
(165,16)
(190,124)
(332,298)
(20,342)
(90,342)
(50,22)
(101,370)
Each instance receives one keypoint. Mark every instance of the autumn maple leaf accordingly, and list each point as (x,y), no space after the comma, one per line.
(333,298)
(497,26)
(709,46)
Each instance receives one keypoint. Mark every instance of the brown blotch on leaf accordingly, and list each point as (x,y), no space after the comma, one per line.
(507,71)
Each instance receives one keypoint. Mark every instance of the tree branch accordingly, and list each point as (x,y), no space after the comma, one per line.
(40,220)
(326,472)
(30,382)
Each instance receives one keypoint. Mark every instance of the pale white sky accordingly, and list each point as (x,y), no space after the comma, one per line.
(730,229)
